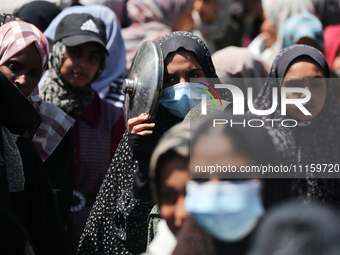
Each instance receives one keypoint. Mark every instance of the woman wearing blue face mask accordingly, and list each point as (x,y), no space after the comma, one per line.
(186,57)
(118,220)
(225,209)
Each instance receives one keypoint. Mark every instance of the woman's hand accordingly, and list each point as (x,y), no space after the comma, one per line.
(137,126)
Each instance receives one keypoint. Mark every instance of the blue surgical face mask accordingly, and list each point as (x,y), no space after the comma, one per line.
(229,211)
(179,99)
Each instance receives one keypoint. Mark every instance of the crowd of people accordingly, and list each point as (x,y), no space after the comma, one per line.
(78,177)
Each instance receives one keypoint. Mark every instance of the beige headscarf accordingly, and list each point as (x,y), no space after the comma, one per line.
(176,139)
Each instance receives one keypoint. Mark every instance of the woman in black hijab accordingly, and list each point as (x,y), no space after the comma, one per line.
(118,221)
(316,136)
(25,190)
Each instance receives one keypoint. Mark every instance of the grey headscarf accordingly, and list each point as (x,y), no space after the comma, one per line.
(176,139)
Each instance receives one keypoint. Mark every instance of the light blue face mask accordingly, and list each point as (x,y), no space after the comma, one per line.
(229,211)
(180,98)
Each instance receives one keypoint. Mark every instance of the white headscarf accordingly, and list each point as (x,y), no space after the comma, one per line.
(278,11)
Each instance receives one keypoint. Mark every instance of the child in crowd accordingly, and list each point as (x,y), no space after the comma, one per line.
(77,59)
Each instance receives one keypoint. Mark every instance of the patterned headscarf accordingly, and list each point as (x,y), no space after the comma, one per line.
(318,142)
(302,25)
(5,18)
(14,37)
(109,82)
(59,92)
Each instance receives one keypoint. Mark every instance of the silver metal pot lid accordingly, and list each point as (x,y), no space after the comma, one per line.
(144,83)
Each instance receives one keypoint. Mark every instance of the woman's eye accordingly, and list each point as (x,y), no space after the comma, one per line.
(168,197)
(73,52)
(194,75)
(169,81)
(95,58)
(13,67)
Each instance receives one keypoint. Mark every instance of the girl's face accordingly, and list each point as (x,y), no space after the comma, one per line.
(172,192)
(215,148)
(306,74)
(81,63)
(180,66)
(24,69)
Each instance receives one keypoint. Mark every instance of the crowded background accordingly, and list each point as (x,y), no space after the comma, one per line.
(80,175)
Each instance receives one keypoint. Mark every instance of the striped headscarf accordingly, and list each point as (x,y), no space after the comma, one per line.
(14,37)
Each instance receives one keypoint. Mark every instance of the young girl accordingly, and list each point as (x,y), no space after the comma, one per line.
(77,58)
(316,136)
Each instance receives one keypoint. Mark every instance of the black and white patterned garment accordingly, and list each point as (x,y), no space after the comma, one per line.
(118,222)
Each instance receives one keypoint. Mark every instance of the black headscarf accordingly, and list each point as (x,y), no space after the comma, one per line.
(39,13)
(5,18)
(299,51)
(298,228)
(316,143)
(18,114)
(188,41)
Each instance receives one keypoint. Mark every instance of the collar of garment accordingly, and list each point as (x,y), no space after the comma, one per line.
(93,113)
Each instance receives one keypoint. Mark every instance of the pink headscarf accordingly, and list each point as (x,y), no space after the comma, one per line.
(332,43)
(14,37)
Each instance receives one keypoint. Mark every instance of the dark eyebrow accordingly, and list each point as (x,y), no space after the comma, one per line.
(195,69)
(99,52)
(190,71)
(297,81)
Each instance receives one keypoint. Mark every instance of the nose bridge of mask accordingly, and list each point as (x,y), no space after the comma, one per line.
(232,197)
(186,88)
(182,97)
